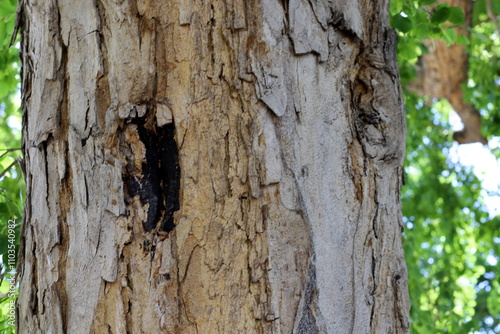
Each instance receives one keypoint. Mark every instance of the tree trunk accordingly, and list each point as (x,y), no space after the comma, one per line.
(442,73)
(211,167)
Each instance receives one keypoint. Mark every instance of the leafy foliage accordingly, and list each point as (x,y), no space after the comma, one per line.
(449,235)
(484,69)
(416,21)
(452,244)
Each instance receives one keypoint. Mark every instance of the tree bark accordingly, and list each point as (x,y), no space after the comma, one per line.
(211,167)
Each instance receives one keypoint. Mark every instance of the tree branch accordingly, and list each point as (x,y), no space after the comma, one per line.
(491,15)
(7,169)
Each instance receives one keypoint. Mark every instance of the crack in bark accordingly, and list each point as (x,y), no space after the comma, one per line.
(376,205)
(374,288)
(308,322)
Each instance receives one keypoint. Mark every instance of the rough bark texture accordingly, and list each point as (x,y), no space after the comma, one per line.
(211,167)
(443,71)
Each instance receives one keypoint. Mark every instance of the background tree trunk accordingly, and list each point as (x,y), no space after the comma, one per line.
(443,72)
(211,167)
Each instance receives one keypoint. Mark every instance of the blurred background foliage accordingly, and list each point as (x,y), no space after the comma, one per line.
(452,240)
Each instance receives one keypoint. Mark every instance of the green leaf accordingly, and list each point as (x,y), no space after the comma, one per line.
(407,51)
(456,15)
(401,23)
(426,2)
(441,14)
(462,40)
(396,6)
(450,35)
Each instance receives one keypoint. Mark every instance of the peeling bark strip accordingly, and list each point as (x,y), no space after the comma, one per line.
(286,120)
